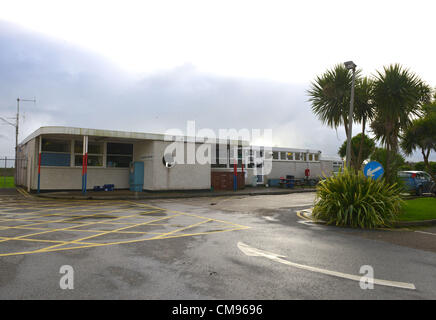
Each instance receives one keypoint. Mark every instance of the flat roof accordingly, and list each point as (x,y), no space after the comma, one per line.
(74,131)
(52,130)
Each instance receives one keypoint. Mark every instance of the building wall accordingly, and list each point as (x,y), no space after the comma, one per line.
(181,176)
(156,176)
(27,170)
(58,178)
(21,171)
(295,168)
(70,178)
(327,167)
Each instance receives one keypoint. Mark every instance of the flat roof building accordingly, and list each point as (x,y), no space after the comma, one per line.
(51,158)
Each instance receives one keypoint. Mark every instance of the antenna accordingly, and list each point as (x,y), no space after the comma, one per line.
(16,125)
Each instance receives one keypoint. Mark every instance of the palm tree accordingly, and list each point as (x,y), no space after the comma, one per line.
(363,109)
(398,95)
(330,96)
(421,134)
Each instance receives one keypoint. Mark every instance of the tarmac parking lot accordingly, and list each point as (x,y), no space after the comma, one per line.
(244,247)
(27,227)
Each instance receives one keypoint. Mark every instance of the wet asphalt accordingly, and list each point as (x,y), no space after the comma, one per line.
(194,255)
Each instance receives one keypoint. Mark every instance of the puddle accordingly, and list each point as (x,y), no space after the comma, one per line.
(155,214)
(100,216)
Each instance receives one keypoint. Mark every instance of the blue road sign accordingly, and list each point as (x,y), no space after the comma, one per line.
(373,169)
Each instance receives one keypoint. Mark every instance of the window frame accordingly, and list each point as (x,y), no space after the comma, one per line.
(107,155)
(68,142)
(102,155)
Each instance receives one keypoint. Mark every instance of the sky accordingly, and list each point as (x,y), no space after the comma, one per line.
(150,66)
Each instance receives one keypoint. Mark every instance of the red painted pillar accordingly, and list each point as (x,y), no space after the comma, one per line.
(235,177)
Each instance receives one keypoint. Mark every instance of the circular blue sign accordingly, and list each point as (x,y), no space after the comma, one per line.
(374,170)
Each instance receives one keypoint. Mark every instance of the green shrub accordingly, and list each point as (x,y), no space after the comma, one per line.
(351,199)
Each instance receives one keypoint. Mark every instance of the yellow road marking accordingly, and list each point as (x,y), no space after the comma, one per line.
(302,216)
(190,214)
(181,229)
(206,232)
(42,240)
(21,192)
(67,228)
(112,231)
(81,243)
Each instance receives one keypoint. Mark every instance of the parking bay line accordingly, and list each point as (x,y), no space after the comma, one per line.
(250,251)
(188,214)
(107,232)
(72,227)
(84,244)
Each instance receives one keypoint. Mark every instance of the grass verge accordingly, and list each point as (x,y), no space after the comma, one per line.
(418,209)
(7,182)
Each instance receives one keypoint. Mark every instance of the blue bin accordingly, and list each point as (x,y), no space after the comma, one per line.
(274,182)
(108,187)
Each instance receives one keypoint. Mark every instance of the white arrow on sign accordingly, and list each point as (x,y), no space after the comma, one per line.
(370,173)
(250,251)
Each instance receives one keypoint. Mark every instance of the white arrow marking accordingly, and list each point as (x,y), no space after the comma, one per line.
(370,172)
(250,251)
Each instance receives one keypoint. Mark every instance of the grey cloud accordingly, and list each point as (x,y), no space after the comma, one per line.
(78,88)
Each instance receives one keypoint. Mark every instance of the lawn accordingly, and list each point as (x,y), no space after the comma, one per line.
(7,182)
(418,209)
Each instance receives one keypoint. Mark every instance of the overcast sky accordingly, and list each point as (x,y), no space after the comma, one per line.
(151,66)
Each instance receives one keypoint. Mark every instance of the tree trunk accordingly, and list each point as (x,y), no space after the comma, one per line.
(394,151)
(427,164)
(345,126)
(362,140)
(388,151)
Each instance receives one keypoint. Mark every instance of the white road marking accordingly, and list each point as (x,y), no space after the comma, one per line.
(307,222)
(250,251)
(270,218)
(433,234)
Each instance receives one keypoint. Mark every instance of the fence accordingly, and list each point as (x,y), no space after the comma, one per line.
(9,177)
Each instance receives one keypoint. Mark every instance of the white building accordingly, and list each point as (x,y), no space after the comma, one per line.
(57,153)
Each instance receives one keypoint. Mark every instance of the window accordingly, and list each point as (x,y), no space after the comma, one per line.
(95,153)
(55,153)
(426,176)
(297,156)
(53,145)
(93,160)
(93,147)
(275,155)
(402,174)
(316,156)
(119,155)
(282,155)
(310,156)
(220,160)
(289,156)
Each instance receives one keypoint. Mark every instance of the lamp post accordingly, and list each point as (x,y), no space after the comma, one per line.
(350,65)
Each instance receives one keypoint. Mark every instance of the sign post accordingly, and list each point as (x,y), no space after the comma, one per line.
(373,169)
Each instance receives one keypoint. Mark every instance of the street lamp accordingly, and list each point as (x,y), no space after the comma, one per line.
(350,65)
